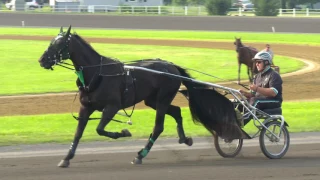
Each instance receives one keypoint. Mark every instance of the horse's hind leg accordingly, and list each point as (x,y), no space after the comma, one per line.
(164,99)
(175,112)
(84,115)
(157,130)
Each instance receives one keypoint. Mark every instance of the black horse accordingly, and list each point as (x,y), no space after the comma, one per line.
(107,86)
(244,56)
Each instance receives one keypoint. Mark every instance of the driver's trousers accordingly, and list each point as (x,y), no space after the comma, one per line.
(260,103)
(264,103)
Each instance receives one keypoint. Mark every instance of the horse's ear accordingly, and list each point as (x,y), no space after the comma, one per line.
(68,32)
(61,29)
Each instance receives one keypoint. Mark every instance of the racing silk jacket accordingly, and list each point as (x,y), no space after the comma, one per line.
(269,79)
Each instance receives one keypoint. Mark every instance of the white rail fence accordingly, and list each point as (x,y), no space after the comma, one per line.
(162,10)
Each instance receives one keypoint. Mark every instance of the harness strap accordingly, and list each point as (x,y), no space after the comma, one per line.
(80,76)
(119,121)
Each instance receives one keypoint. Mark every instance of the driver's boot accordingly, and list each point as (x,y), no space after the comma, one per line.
(239,117)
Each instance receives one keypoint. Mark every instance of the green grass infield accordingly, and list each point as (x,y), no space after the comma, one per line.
(60,128)
(21,73)
(281,38)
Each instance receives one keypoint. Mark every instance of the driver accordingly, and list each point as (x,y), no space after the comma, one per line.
(266,90)
(268,49)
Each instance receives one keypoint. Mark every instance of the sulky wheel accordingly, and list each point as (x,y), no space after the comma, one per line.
(271,146)
(227,148)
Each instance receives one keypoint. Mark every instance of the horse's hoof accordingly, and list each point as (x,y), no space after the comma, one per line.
(189,141)
(64,163)
(136,161)
(126,133)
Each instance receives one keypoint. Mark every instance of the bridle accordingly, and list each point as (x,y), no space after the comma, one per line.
(238,45)
(62,54)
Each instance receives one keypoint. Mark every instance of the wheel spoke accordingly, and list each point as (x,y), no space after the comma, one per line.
(271,145)
(228,148)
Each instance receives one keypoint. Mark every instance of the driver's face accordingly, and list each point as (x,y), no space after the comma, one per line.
(259,65)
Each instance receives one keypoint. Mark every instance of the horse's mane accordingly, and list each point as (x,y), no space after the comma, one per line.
(90,48)
(240,43)
(85,43)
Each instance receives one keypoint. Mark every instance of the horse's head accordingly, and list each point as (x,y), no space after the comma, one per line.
(237,43)
(57,51)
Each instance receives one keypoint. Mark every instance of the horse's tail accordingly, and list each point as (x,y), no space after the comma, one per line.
(213,110)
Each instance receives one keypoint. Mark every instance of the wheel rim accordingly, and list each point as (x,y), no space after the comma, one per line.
(274,146)
(229,147)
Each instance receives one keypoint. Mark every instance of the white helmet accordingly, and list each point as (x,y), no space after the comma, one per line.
(265,56)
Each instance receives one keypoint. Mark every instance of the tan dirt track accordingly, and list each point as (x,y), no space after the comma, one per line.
(298,86)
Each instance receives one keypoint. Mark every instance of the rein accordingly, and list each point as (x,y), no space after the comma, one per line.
(242,85)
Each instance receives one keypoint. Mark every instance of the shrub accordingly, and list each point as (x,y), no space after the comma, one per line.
(266,7)
(218,7)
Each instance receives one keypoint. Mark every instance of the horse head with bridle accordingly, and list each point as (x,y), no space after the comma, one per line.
(245,55)
(106,85)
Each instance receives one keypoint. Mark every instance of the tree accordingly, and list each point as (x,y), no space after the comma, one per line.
(217,7)
(180,2)
(167,2)
(311,2)
(196,2)
(292,4)
(266,7)
(283,4)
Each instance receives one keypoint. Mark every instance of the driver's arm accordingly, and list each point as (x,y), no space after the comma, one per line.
(246,94)
(269,92)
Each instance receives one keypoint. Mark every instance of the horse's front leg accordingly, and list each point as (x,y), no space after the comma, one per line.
(107,115)
(249,72)
(239,70)
(84,115)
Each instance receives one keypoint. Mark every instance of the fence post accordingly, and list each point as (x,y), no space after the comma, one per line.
(132,9)
(294,12)
(173,10)
(186,10)
(199,10)
(159,9)
(240,13)
(280,12)
(307,11)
